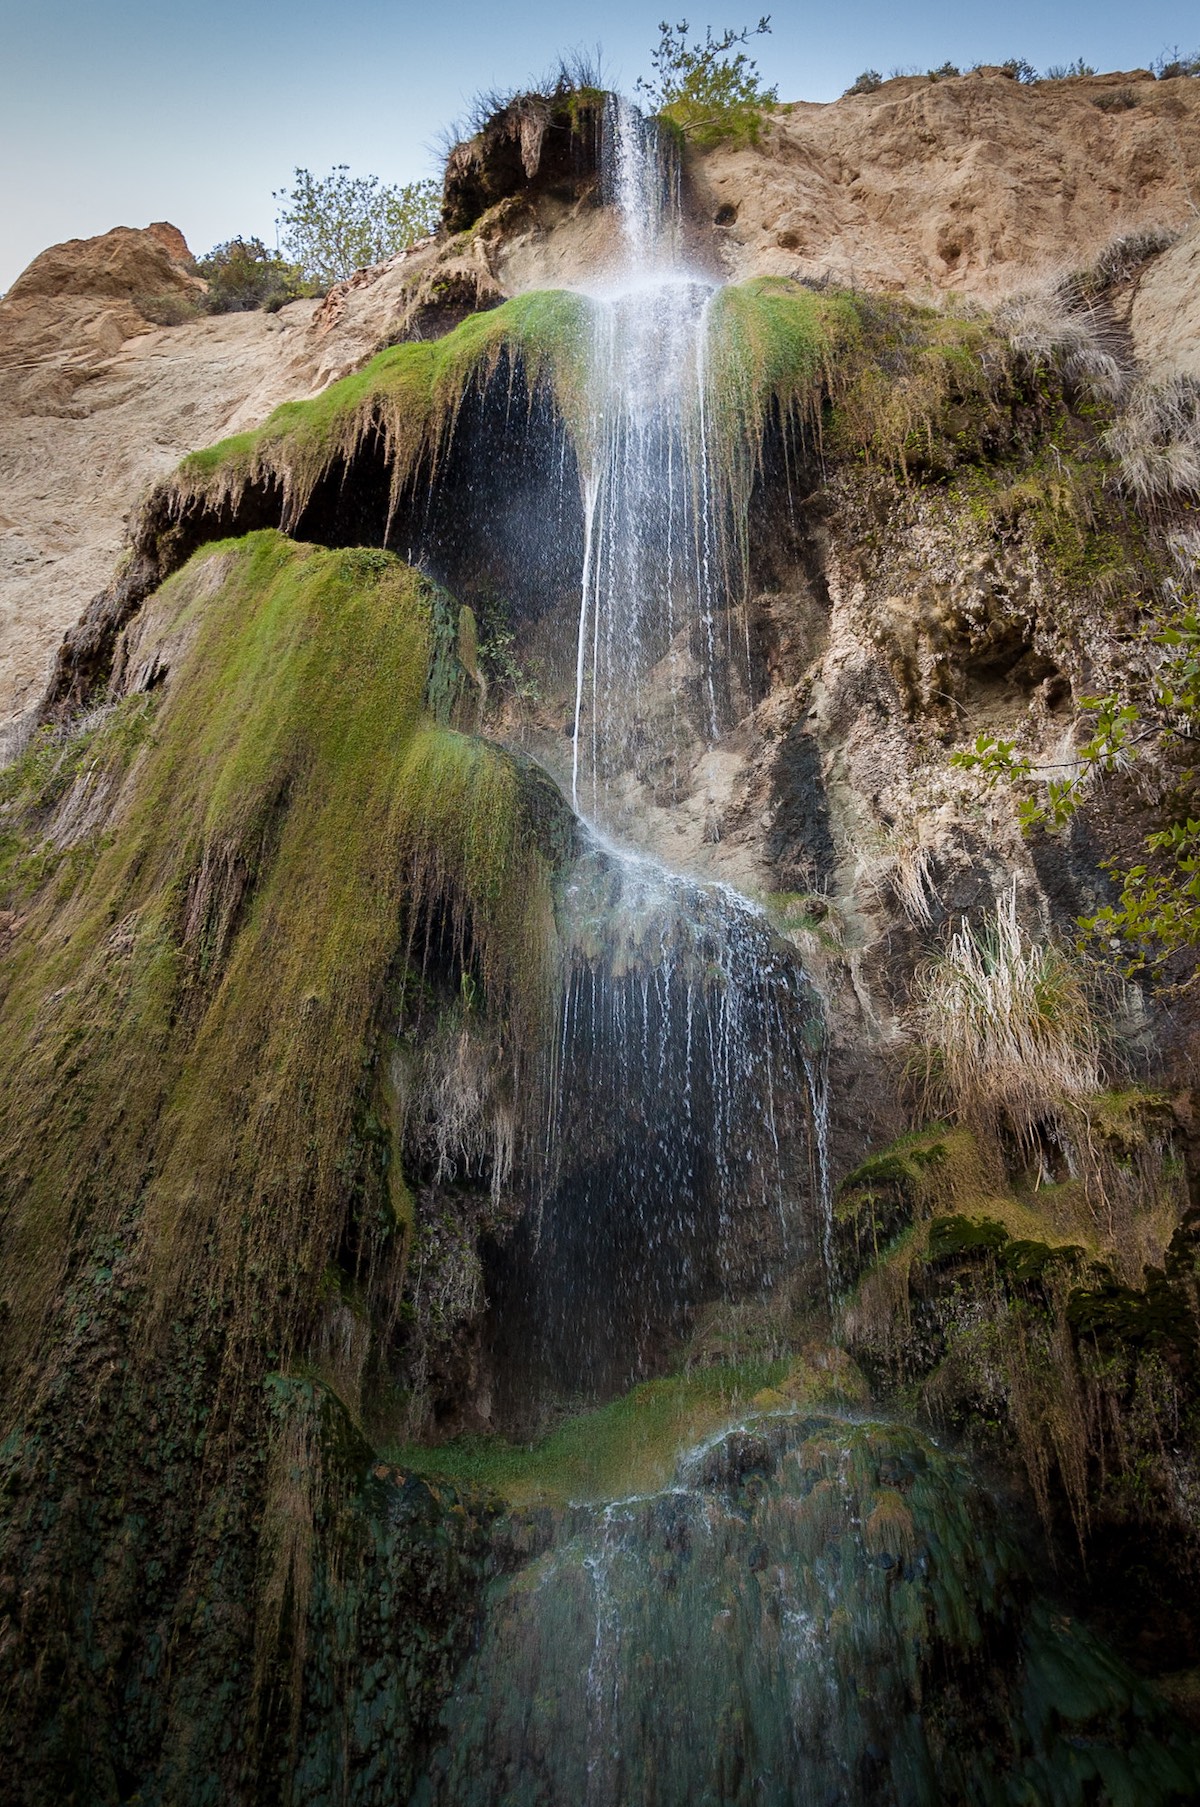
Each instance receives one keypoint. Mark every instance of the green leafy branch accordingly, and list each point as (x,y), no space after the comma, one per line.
(1157,913)
(701,90)
(332,225)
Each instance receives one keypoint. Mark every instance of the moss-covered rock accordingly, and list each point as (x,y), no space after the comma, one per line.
(228,884)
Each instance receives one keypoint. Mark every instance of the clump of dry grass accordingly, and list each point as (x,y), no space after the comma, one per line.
(1009,1034)
(455,1105)
(1052,327)
(1124,254)
(1157,439)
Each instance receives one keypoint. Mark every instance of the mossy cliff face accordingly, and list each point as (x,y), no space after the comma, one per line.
(245,875)
(1051,1324)
(281,966)
(811,1610)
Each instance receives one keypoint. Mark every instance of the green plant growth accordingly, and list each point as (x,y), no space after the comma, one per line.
(409,395)
(879,1200)
(630,1445)
(187,1029)
(242,275)
(704,93)
(1174,63)
(1061,72)
(1063,501)
(1157,916)
(332,225)
(1054,1326)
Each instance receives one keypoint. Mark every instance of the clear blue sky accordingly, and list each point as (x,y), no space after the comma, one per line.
(123,113)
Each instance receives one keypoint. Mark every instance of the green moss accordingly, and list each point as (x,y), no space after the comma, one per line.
(628,1446)
(409,394)
(1064,500)
(191,1026)
(88,763)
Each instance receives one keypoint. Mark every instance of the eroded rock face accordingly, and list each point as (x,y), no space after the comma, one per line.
(927,186)
(1164,314)
(124,264)
(954,184)
(98,402)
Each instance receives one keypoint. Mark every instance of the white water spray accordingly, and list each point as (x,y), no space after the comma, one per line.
(652,578)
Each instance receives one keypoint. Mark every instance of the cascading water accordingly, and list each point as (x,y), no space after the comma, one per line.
(685,1158)
(687,1140)
(814,1612)
(655,533)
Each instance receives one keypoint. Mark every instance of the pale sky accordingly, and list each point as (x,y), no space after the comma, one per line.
(140,110)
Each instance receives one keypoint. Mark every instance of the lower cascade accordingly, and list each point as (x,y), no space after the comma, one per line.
(814,1611)
(469,1176)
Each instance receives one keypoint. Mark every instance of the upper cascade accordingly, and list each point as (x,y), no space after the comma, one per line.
(655,578)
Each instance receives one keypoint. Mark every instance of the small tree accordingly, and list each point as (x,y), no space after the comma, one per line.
(333,225)
(242,274)
(701,90)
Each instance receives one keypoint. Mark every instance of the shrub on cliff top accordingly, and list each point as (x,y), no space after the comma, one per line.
(704,93)
(333,225)
(242,275)
(1173,63)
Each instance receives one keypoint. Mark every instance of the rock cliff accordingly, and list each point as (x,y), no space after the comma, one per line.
(346,1072)
(970,185)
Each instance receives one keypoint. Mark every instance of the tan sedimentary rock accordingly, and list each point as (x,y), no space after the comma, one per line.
(965,185)
(956,184)
(96,403)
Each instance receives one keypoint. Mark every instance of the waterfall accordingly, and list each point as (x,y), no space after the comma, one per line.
(685,1158)
(816,1609)
(654,577)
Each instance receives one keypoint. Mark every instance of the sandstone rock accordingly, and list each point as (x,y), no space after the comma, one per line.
(962,185)
(953,184)
(122,264)
(1165,313)
(97,403)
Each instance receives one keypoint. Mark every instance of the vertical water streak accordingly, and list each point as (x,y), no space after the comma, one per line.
(690,1105)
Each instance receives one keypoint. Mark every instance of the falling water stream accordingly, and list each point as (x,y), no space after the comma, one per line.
(814,1610)
(653,526)
(686,1140)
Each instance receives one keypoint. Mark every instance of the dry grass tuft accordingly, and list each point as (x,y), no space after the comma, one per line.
(1125,254)
(1008,1029)
(1051,327)
(1157,439)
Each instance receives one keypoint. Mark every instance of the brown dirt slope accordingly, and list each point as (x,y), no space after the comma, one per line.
(956,184)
